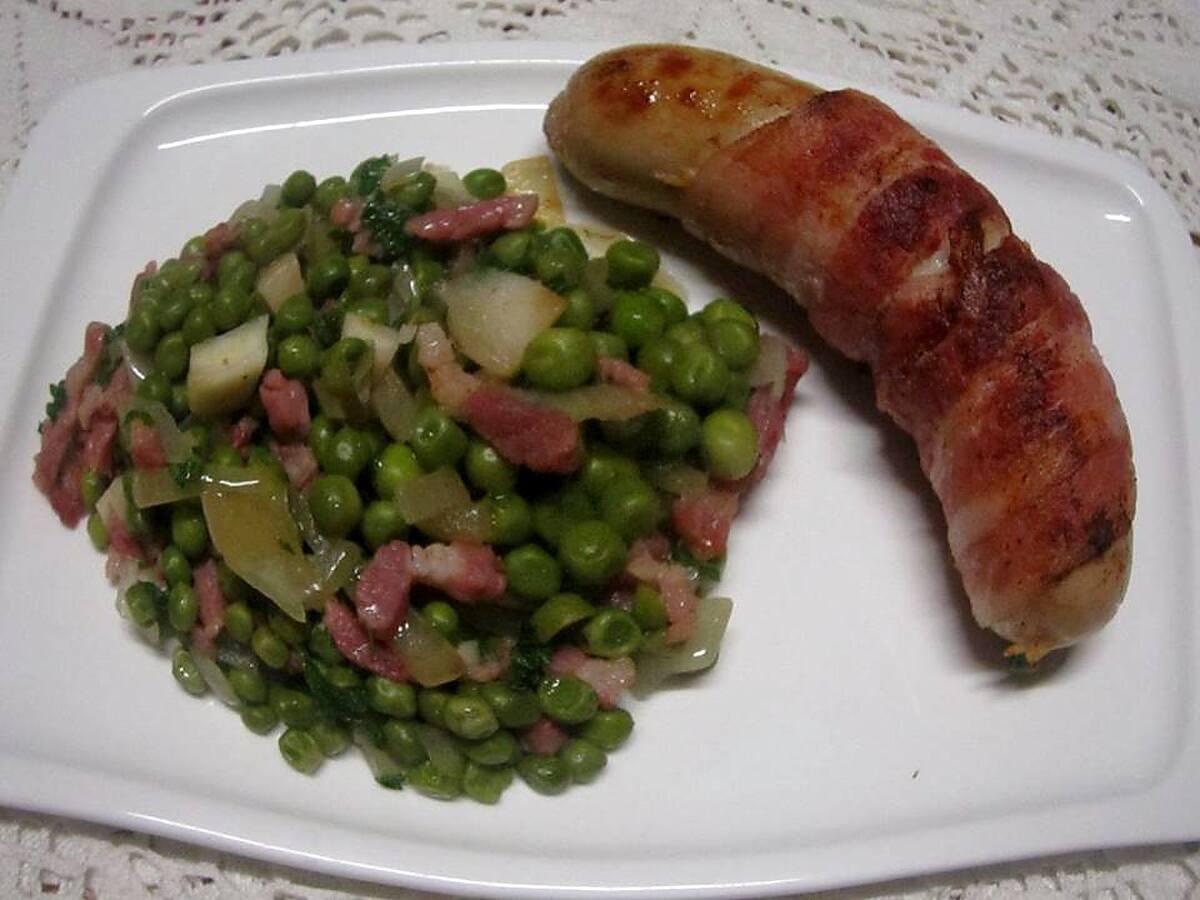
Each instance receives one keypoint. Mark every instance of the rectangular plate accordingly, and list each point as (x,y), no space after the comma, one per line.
(858,726)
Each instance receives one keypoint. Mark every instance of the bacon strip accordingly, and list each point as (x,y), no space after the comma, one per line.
(464,223)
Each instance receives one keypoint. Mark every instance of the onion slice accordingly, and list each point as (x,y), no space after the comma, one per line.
(492,316)
(535,175)
(697,653)
(436,493)
(428,656)
(605,402)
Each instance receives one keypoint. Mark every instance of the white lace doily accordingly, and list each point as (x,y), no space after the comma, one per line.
(1121,74)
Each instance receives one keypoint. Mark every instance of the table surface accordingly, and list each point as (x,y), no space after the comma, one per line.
(1123,75)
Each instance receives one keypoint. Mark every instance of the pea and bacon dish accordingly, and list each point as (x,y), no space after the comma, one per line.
(402,461)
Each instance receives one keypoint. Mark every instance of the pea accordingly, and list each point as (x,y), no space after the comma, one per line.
(592,552)
(484,183)
(382,523)
(601,469)
(631,264)
(511,519)
(403,743)
(195,246)
(182,607)
(235,270)
(301,751)
(567,699)
(559,612)
(157,387)
(198,326)
(298,188)
(260,719)
(184,668)
(729,444)
(230,308)
(188,531)
(443,617)
(391,468)
(545,774)
(320,433)
(372,281)
(469,717)
(612,633)
(484,784)
(336,505)
(321,645)
(239,622)
(151,291)
(298,356)
(171,355)
(648,609)
(498,749)
(487,470)
(559,359)
(605,343)
(141,329)
(576,503)
(176,273)
(343,677)
(286,628)
(427,779)
(608,729)
(560,270)
(512,251)
(724,308)
(437,440)
(268,647)
(674,428)
(329,192)
(580,311)
(672,304)
(689,331)
(699,375)
(631,507)
(97,532)
(347,453)
(431,703)
(583,760)
(548,520)
(179,406)
(392,698)
(328,276)
(532,572)
(91,486)
(333,740)
(249,685)
(416,190)
(637,318)
(735,342)
(294,316)
(232,586)
(514,709)
(655,358)
(174,309)
(296,709)
(280,236)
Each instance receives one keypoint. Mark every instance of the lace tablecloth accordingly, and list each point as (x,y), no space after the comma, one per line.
(1121,74)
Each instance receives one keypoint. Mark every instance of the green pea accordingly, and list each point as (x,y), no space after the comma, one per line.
(230,308)
(178,273)
(559,612)
(437,440)
(443,618)
(567,699)
(91,486)
(649,611)
(675,429)
(287,629)
(333,740)
(545,774)
(294,316)
(737,395)
(580,311)
(631,264)
(301,751)
(188,531)
(174,309)
(175,567)
(235,270)
(416,190)
(427,779)
(97,532)
(735,341)
(672,304)
(347,453)
(514,709)
(184,668)
(232,586)
(511,519)
(576,502)
(559,270)
(484,784)
(498,749)
(157,387)
(195,246)
(249,685)
(391,468)
(512,251)
(261,720)
(724,308)
(382,523)
(469,717)
(182,607)
(296,709)
(179,406)
(532,572)
(605,343)
(327,276)
(637,318)
(171,355)
(484,183)
(729,444)
(392,698)
(239,622)
(608,729)
(298,356)
(198,326)
(344,677)
(329,192)
(559,359)
(592,552)
(612,633)
(321,645)
(320,433)
(431,703)
(548,520)
(141,329)
(631,507)
(298,188)
(150,291)
(487,470)
(336,505)
(689,331)
(268,647)
(279,237)
(655,358)
(601,469)
(699,375)
(403,742)
(583,759)
(371,281)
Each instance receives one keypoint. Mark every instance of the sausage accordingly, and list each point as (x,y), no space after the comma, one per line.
(904,262)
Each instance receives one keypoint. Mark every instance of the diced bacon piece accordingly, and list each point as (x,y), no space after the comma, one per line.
(242,432)
(381,596)
(464,223)
(618,371)
(346,214)
(648,563)
(299,463)
(286,402)
(543,737)
(107,400)
(82,373)
(609,678)
(352,641)
(98,444)
(212,608)
(149,269)
(450,384)
(145,446)
(491,667)
(523,432)
(220,238)
(703,520)
(768,409)
(121,540)
(467,572)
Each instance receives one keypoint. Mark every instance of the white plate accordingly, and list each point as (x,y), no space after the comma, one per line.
(857,726)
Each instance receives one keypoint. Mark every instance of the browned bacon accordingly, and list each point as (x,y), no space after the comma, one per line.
(212,605)
(352,640)
(286,402)
(470,573)
(381,595)
(523,432)
(475,220)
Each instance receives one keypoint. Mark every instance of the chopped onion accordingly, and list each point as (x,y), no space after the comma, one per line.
(467,523)
(448,191)
(492,316)
(428,656)
(676,478)
(596,239)
(535,175)
(442,750)
(668,282)
(771,365)
(266,207)
(606,402)
(595,282)
(388,773)
(176,444)
(384,341)
(398,171)
(280,280)
(216,680)
(432,494)
(224,370)
(697,653)
(394,406)
(130,576)
(154,487)
(113,504)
